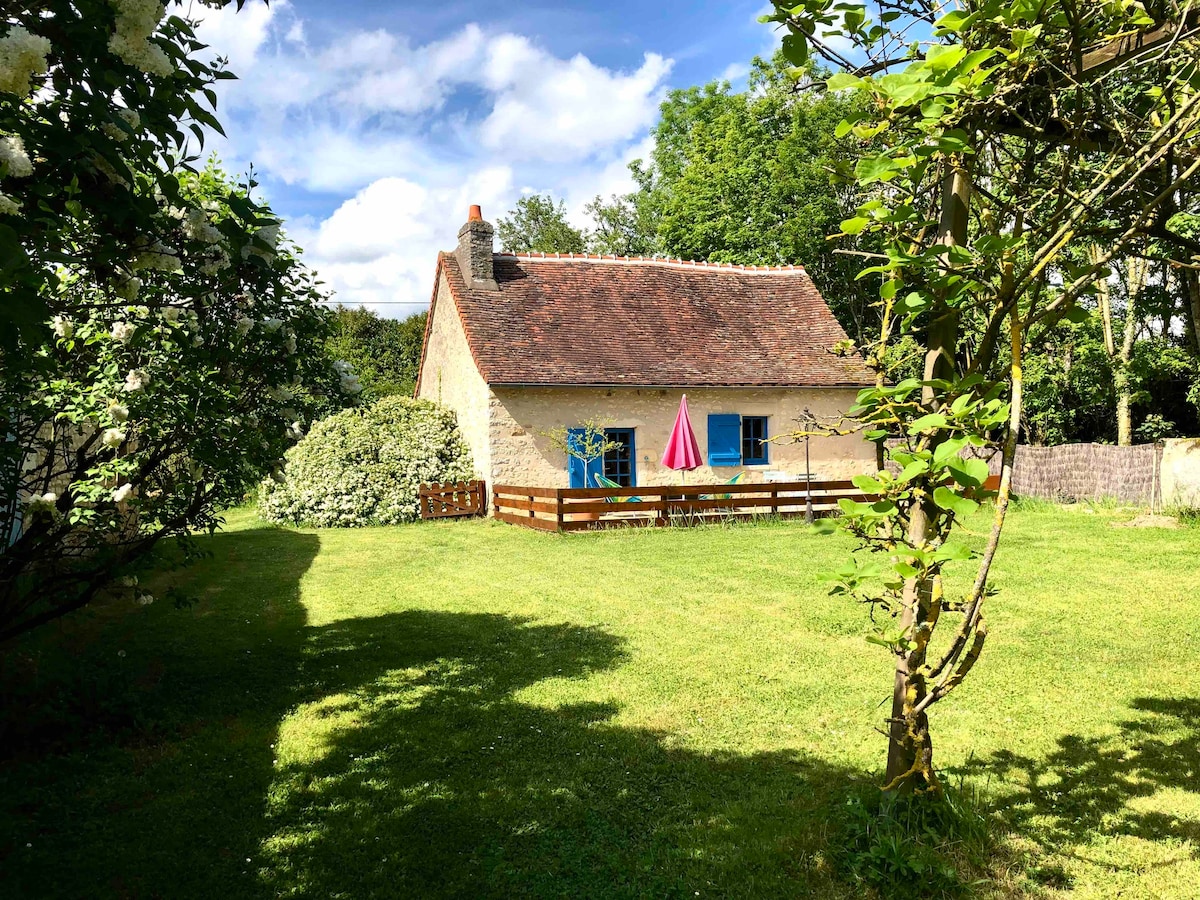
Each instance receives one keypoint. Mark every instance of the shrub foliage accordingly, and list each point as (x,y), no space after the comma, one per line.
(363,466)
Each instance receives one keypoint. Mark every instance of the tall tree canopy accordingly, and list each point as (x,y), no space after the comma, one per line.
(755,177)
(385,353)
(539,225)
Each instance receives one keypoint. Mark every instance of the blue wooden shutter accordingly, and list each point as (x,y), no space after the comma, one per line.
(724,439)
(576,473)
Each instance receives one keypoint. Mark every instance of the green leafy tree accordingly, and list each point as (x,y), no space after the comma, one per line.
(385,353)
(539,225)
(1015,131)
(159,340)
(753,177)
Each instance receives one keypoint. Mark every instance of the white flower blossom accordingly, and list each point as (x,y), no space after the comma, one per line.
(296,431)
(215,261)
(280,394)
(160,257)
(342,367)
(197,227)
(47,499)
(119,134)
(122,332)
(350,384)
(112,437)
(171,314)
(272,324)
(14,161)
(145,599)
(137,20)
(22,55)
(290,343)
(244,324)
(128,580)
(118,411)
(64,327)
(121,494)
(8,206)
(128,288)
(136,380)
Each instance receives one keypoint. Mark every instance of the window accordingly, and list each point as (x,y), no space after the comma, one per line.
(754,437)
(735,440)
(621,464)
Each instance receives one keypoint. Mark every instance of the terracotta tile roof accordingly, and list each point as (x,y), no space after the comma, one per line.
(592,320)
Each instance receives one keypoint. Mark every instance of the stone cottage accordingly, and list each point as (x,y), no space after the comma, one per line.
(519,345)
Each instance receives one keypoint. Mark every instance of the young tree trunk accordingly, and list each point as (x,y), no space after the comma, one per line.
(1119,357)
(1135,280)
(1191,289)
(910,748)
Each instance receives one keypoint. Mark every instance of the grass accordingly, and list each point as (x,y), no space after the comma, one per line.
(472,709)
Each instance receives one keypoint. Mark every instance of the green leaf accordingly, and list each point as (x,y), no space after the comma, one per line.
(951,22)
(948,449)
(855,225)
(970,472)
(948,500)
(854,508)
(952,552)
(843,80)
(927,423)
(867,484)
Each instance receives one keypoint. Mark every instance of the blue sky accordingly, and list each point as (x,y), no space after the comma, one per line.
(373,126)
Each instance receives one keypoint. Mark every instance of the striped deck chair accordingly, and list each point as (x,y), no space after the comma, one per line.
(602,482)
(736,479)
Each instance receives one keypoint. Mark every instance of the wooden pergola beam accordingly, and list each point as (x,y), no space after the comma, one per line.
(1102,59)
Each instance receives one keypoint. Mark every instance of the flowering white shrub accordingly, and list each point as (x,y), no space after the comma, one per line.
(160,342)
(363,466)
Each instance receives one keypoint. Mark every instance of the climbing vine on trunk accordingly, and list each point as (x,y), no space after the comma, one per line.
(1010,136)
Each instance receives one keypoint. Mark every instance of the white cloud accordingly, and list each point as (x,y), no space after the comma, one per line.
(550,109)
(380,247)
(408,136)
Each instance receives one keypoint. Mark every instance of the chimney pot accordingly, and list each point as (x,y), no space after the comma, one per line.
(475,214)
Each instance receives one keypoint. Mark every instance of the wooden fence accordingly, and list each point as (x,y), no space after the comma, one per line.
(453,499)
(579,509)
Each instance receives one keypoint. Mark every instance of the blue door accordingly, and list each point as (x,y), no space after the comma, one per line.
(576,472)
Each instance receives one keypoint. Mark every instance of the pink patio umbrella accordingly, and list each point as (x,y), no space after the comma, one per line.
(682,453)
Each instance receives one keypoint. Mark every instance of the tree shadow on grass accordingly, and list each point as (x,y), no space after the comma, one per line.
(1090,787)
(445,781)
(421,761)
(135,742)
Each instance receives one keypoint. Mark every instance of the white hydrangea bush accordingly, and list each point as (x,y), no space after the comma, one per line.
(364,466)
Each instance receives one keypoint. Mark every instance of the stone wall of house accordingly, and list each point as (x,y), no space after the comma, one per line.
(450,377)
(521,454)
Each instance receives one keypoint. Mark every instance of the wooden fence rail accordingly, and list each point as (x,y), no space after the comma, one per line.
(578,509)
(453,499)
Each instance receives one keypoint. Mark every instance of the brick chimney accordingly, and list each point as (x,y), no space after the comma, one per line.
(475,252)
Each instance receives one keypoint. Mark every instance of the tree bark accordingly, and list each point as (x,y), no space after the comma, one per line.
(1135,280)
(1191,288)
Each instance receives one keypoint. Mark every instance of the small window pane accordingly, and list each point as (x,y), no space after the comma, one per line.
(754,436)
(620,464)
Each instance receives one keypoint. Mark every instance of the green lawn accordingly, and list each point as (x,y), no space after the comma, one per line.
(470,709)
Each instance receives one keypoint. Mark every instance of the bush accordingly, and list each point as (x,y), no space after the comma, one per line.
(913,847)
(363,466)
